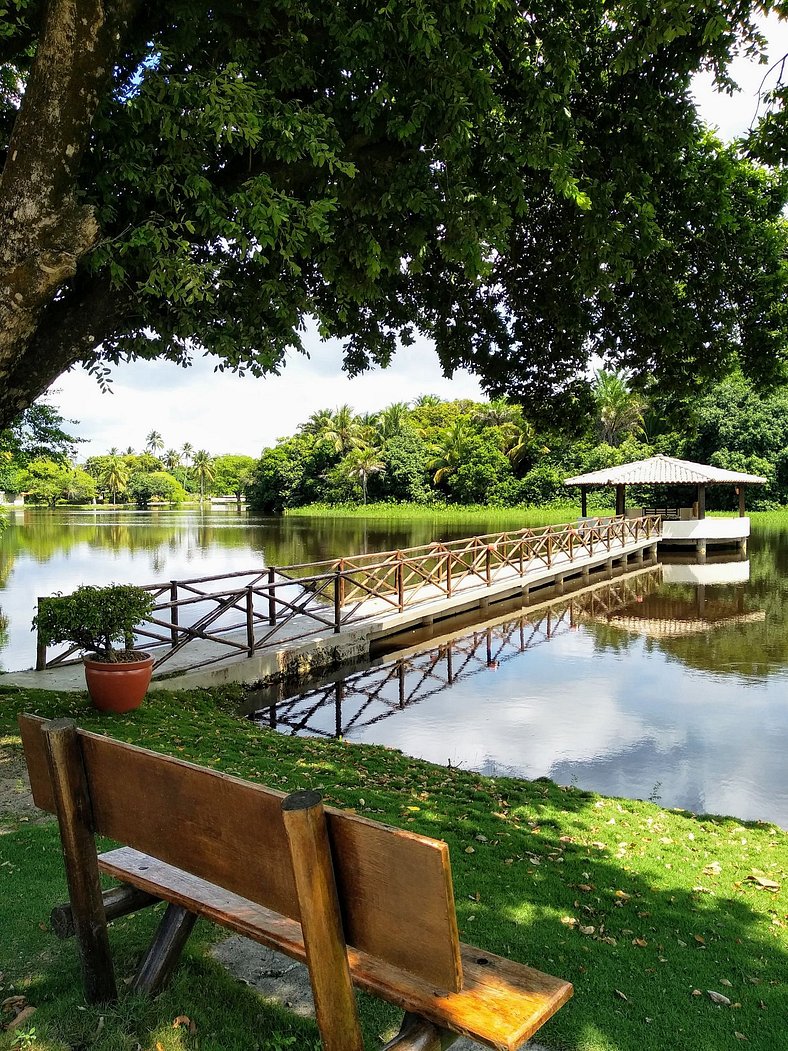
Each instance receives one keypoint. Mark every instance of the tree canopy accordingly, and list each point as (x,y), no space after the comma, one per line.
(526,189)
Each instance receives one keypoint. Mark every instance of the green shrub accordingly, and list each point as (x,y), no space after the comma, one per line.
(93,618)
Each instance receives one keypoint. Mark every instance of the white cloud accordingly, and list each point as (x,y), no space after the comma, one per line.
(222,412)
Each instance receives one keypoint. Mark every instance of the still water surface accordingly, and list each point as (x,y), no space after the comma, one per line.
(651,687)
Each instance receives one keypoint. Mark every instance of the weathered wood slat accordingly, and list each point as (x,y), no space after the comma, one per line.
(501,1004)
(231,832)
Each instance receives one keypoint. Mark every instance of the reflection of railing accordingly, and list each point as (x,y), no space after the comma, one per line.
(368,697)
(245,612)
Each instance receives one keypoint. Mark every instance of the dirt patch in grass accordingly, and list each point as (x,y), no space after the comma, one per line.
(16,800)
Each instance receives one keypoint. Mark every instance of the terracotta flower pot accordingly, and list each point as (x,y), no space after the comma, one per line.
(118,687)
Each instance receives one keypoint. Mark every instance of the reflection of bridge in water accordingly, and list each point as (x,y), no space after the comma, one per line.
(360,700)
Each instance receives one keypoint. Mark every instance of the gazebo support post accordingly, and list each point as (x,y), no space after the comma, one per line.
(701,501)
(740,491)
(583,502)
(620,499)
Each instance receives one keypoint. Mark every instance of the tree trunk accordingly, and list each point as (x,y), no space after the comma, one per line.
(44,231)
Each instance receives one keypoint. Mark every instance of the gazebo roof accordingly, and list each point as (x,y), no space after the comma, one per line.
(664,470)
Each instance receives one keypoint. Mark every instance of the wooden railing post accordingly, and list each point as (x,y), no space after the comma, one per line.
(448,574)
(321,922)
(174,612)
(521,545)
(250,619)
(400,582)
(337,600)
(549,546)
(488,565)
(271,595)
(75,819)
(571,546)
(41,646)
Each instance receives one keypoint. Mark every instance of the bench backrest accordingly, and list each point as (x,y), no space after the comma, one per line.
(395,887)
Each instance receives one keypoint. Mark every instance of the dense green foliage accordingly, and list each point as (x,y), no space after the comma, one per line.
(94,618)
(524,188)
(469,453)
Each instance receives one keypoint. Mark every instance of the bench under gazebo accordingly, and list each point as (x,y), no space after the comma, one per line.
(680,525)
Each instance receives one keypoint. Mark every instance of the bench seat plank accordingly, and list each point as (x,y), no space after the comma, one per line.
(501,1004)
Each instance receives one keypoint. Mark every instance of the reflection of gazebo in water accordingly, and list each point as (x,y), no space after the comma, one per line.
(661,616)
(680,525)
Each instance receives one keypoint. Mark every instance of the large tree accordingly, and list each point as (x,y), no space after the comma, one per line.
(187,176)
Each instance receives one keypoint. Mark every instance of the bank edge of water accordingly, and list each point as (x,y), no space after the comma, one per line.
(637,905)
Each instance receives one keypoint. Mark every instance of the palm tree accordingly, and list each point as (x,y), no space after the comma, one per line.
(116,476)
(202,465)
(154,443)
(451,450)
(393,420)
(317,422)
(187,451)
(619,409)
(361,464)
(129,450)
(114,451)
(172,459)
(343,431)
(499,413)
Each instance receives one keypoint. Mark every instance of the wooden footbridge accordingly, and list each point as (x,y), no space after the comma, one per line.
(277,621)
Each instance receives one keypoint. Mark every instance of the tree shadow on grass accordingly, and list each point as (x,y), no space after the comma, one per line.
(643,910)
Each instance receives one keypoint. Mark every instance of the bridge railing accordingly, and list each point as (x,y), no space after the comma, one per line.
(246,611)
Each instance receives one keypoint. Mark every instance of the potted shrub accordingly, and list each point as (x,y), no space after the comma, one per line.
(94,618)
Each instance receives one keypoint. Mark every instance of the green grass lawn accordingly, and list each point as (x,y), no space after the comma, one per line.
(494,517)
(643,909)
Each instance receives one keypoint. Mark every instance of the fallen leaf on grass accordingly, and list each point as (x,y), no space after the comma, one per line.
(718,998)
(738,1035)
(621,995)
(726,983)
(699,939)
(586,930)
(762,882)
(640,942)
(13,1004)
(19,1020)
(186,1022)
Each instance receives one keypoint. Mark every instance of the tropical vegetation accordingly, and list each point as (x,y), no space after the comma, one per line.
(429,453)
(468,453)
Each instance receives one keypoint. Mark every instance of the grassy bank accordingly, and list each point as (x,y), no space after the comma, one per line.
(492,517)
(643,909)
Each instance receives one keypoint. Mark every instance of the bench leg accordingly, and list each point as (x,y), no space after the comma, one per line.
(163,955)
(75,820)
(417,1034)
(118,901)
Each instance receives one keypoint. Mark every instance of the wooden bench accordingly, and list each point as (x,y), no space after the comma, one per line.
(363,904)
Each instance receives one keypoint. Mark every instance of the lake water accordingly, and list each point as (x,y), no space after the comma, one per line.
(651,687)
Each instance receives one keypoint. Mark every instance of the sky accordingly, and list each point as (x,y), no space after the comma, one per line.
(224,413)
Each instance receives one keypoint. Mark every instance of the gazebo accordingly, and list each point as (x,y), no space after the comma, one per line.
(681,525)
